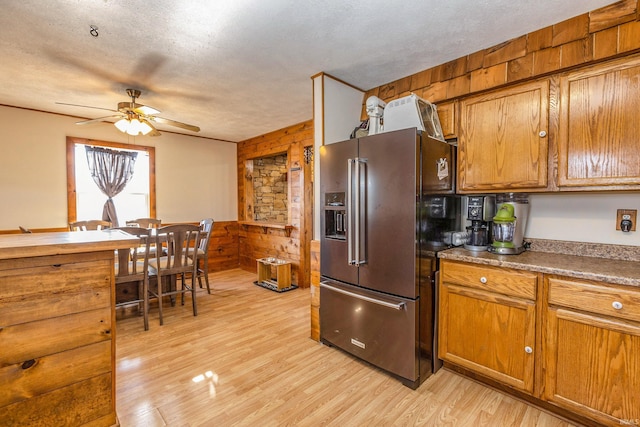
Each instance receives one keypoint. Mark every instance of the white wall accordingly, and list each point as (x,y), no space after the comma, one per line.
(584,217)
(195,177)
(336,112)
(342,106)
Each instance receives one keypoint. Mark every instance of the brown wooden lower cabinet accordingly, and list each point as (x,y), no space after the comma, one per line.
(592,355)
(588,362)
(486,331)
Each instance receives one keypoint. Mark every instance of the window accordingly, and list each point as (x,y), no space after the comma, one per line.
(86,201)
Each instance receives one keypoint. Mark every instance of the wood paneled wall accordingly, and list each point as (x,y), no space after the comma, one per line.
(604,33)
(259,242)
(223,246)
(315,290)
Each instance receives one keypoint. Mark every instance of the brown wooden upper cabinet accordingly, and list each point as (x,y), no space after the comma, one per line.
(599,126)
(503,144)
(447,117)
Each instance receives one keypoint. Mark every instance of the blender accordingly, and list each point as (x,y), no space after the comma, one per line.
(509,224)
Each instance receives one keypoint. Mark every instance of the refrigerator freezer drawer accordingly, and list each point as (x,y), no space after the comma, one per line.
(378,328)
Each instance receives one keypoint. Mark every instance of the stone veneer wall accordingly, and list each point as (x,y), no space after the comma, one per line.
(270,188)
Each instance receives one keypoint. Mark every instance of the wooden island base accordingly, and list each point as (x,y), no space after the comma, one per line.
(57,318)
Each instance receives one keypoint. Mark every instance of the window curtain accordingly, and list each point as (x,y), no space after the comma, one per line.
(111,171)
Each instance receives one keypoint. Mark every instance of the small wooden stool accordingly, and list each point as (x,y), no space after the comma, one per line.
(282,269)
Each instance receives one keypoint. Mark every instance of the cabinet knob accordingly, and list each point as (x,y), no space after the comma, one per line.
(617,305)
(483,280)
(542,133)
(528,350)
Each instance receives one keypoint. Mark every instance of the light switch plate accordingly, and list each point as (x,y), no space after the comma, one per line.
(633,213)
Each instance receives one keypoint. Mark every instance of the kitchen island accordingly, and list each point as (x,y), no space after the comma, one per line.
(57,328)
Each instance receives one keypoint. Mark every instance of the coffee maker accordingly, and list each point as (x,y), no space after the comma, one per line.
(509,224)
(479,210)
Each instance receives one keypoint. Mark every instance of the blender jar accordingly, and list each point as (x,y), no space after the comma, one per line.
(504,226)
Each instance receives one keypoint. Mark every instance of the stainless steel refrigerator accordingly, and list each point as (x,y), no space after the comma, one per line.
(388,204)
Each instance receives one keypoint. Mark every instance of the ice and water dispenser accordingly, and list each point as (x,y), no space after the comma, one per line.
(335,216)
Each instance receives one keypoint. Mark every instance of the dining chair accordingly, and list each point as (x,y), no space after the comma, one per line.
(145,222)
(92,224)
(133,273)
(202,252)
(173,262)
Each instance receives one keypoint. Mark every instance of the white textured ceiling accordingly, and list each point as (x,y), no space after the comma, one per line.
(240,68)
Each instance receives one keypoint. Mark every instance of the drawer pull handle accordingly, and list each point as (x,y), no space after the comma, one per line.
(528,350)
(28,364)
(56,265)
(542,134)
(617,305)
(483,280)
(399,306)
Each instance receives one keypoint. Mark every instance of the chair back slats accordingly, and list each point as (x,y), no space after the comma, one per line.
(145,223)
(132,267)
(174,243)
(135,261)
(92,224)
(177,241)
(205,233)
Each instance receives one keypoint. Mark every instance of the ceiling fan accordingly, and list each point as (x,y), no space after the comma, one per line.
(134,118)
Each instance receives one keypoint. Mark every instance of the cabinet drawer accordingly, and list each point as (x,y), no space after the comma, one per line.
(516,283)
(595,297)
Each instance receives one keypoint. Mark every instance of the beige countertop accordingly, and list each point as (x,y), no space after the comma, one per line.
(69,242)
(615,271)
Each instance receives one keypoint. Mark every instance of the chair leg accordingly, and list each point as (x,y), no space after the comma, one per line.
(145,303)
(160,298)
(184,286)
(205,270)
(193,295)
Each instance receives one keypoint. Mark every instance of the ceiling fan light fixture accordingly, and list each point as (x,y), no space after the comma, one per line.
(122,125)
(133,127)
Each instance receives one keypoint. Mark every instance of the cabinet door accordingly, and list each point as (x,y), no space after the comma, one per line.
(491,334)
(503,139)
(447,117)
(598,126)
(593,366)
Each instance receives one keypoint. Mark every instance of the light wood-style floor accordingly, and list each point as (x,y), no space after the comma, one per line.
(247,360)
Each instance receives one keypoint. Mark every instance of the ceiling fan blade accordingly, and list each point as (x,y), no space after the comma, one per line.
(87,106)
(174,123)
(154,131)
(145,109)
(123,107)
(99,119)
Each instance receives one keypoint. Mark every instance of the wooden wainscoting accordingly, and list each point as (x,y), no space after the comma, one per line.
(259,242)
(315,290)
(223,246)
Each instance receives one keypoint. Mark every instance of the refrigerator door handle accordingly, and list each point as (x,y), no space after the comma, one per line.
(398,306)
(350,257)
(356,233)
(360,248)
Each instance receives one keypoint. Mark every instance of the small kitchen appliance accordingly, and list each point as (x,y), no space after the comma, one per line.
(412,111)
(479,210)
(509,224)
